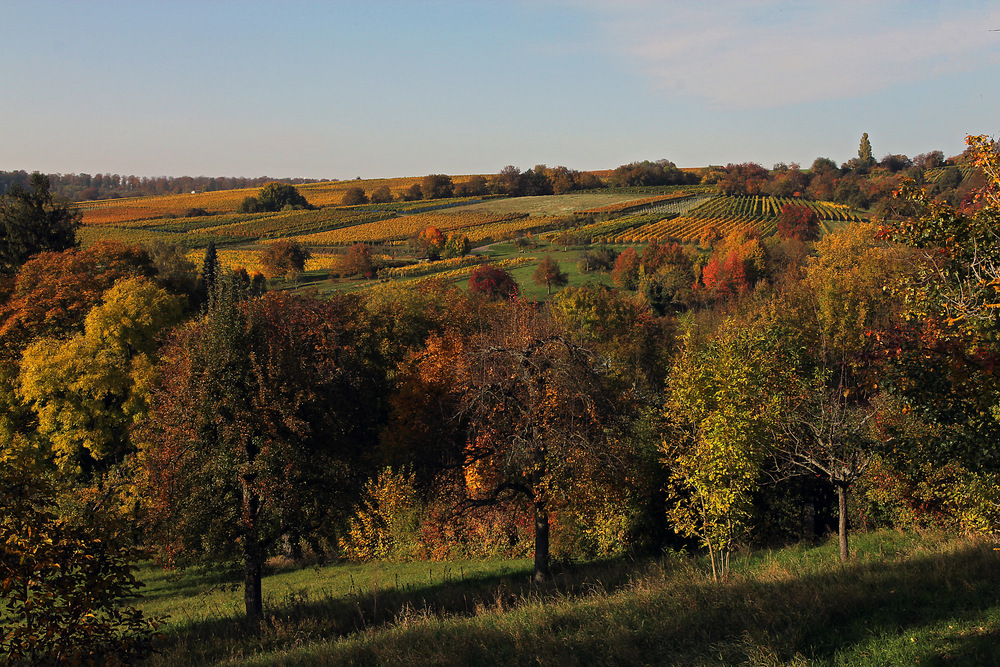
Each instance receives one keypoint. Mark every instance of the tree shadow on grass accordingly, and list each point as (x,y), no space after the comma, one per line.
(301,615)
(622,612)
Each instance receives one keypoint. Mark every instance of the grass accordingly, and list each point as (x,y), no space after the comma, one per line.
(904,599)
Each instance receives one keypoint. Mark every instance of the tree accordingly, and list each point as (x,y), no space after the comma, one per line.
(358,261)
(31,222)
(493,282)
(537,420)
(549,274)
(626,272)
(276,196)
(64,586)
(258,428)
(431,242)
(381,195)
(354,196)
(211,270)
(437,186)
(283,258)
(723,398)
(174,270)
(54,291)
(944,358)
(86,390)
(457,245)
(865,158)
(412,193)
(798,222)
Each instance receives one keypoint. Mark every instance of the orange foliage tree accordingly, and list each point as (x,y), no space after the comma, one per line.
(536,416)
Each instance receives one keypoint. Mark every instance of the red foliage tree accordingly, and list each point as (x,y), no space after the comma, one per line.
(626,272)
(493,282)
(798,222)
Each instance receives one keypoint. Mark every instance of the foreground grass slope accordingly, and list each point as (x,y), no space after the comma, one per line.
(905,599)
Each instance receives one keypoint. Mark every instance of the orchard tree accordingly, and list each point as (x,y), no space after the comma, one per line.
(31,222)
(258,429)
(493,282)
(548,273)
(284,258)
(537,419)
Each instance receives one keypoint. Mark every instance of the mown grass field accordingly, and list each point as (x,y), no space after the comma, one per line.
(904,599)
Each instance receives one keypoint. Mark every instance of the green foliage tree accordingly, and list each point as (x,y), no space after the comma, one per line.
(723,398)
(276,196)
(31,222)
(174,270)
(437,186)
(381,195)
(943,359)
(355,196)
(865,158)
(258,428)
(457,245)
(549,274)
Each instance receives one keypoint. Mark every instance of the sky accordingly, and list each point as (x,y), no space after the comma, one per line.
(381,88)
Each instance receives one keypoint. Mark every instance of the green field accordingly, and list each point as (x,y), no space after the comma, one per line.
(904,599)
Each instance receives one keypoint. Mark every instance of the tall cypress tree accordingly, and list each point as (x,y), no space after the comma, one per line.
(210,271)
(865,158)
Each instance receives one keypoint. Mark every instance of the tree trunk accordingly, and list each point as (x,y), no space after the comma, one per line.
(842,528)
(542,572)
(252,595)
(252,556)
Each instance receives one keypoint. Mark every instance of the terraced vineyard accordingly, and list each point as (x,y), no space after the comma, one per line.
(725,214)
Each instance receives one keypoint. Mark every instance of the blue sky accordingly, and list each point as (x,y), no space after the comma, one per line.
(396,88)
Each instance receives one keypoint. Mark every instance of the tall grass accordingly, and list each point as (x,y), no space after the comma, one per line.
(905,599)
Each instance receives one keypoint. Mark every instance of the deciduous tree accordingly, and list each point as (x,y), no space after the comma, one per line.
(549,274)
(258,429)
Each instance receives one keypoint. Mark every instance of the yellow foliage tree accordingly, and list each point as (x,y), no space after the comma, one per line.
(87,390)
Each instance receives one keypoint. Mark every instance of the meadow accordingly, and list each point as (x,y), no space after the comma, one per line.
(905,598)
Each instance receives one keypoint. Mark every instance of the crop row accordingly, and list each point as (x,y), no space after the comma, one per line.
(763,207)
(691,228)
(635,204)
(289,223)
(404,227)
(425,268)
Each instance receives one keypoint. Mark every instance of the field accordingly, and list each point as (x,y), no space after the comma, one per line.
(904,599)
(624,216)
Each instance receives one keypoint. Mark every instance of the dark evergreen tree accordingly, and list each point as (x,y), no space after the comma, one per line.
(31,222)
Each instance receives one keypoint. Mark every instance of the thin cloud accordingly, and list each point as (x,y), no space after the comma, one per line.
(772,54)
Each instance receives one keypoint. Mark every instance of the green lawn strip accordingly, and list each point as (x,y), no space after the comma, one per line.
(936,601)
